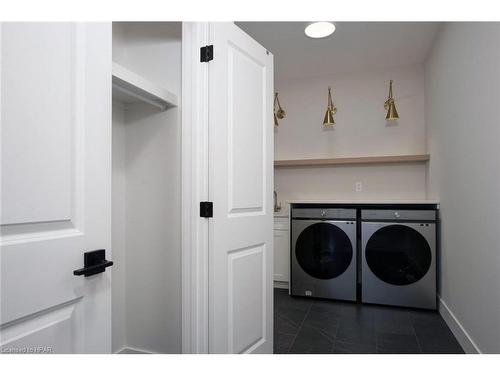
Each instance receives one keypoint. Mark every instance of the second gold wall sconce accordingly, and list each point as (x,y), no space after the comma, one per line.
(278,113)
(331,110)
(390,106)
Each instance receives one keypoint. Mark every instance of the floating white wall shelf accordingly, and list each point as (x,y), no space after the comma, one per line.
(358,160)
(129,88)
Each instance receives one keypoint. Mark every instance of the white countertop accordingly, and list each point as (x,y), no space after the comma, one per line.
(285,210)
(366,201)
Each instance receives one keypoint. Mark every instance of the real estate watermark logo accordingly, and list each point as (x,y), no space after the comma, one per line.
(26,350)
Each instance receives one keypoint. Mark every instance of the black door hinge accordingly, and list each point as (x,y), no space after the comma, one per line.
(206,209)
(206,53)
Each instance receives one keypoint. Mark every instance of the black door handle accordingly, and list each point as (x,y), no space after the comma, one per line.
(95,262)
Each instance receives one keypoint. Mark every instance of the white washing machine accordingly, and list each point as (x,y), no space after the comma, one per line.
(399,257)
(323,253)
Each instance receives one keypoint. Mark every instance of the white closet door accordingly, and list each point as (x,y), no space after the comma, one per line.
(241,187)
(55,186)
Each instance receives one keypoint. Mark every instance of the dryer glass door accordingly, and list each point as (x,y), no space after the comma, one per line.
(398,255)
(323,250)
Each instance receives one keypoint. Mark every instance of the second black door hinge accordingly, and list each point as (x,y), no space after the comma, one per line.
(206,209)
(207,53)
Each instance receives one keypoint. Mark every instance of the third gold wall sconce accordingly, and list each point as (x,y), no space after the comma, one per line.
(390,106)
(331,110)
(278,113)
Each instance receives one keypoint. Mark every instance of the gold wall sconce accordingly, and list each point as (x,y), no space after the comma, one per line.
(390,106)
(331,110)
(279,113)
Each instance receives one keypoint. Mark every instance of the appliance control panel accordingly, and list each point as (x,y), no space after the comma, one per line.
(396,215)
(324,213)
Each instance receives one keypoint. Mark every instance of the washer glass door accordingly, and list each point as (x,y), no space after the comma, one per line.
(323,250)
(398,255)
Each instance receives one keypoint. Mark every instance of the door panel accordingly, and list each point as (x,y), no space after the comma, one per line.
(246,287)
(50,331)
(246,110)
(56,168)
(31,83)
(240,185)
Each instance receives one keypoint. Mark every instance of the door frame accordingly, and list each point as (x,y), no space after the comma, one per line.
(195,153)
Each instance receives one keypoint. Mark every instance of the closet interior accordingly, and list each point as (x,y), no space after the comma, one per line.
(146,186)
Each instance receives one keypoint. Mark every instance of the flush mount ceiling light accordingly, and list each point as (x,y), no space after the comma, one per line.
(317,30)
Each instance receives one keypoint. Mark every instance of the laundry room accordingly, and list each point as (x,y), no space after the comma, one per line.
(359,265)
(260,187)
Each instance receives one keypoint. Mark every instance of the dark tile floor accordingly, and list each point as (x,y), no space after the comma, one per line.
(303,325)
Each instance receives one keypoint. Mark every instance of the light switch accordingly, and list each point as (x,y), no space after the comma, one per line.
(359,186)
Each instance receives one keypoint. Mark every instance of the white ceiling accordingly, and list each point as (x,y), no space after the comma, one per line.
(353,47)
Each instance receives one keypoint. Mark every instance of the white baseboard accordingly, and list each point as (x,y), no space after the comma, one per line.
(463,338)
(281,284)
(126,350)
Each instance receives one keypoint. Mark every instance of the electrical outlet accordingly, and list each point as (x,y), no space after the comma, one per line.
(359,186)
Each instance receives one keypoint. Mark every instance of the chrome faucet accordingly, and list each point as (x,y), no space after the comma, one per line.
(277,207)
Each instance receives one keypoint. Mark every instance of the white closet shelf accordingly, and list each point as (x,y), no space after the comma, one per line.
(358,160)
(129,88)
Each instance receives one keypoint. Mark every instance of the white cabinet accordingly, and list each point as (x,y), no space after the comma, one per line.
(281,251)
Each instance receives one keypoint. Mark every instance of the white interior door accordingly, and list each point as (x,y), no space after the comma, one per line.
(241,188)
(55,180)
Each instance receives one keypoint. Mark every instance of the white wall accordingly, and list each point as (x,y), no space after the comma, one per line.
(462,90)
(147,179)
(360,130)
(403,182)
(153,231)
(118,230)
